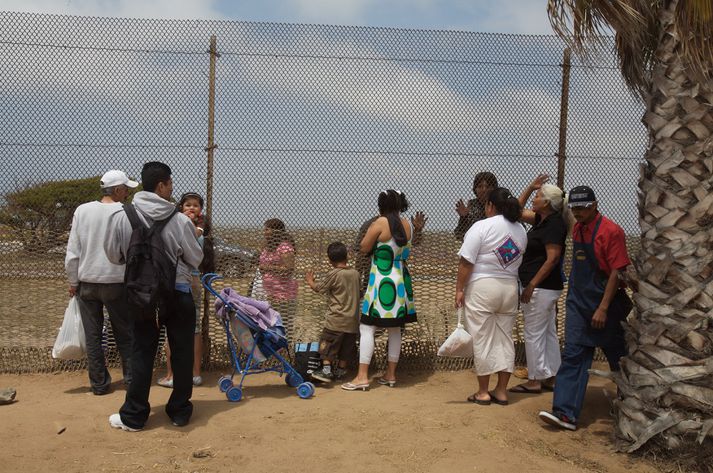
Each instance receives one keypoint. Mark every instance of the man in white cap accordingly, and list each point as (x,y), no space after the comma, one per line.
(98,283)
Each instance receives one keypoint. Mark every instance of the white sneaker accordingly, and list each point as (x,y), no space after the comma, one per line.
(116,423)
(556,421)
(197,380)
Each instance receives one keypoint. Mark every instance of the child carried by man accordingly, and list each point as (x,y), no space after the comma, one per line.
(341,329)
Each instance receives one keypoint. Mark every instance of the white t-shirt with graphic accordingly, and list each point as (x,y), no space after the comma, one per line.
(495,246)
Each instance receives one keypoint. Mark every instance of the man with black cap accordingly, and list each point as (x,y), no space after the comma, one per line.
(596,305)
(97,282)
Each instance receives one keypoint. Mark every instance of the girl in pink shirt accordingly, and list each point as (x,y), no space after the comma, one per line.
(277,265)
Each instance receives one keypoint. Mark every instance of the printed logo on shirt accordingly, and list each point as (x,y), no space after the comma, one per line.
(507,252)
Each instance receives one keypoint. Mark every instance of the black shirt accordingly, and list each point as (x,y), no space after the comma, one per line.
(550,231)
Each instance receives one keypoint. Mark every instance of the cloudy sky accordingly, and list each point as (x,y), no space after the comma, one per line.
(331,114)
(492,16)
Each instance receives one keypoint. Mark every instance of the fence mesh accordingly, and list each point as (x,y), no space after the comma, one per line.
(311,123)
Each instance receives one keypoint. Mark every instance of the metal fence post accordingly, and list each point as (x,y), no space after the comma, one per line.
(564,107)
(213,51)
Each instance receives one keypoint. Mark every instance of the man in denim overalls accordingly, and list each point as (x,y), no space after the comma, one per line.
(596,306)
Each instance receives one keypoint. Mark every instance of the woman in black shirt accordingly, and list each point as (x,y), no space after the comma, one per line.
(541,278)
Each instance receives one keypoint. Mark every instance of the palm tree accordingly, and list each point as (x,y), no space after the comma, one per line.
(665,52)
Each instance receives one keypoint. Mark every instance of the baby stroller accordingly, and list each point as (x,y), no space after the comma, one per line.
(259,341)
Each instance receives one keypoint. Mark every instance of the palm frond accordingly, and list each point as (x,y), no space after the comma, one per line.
(638,28)
(694,22)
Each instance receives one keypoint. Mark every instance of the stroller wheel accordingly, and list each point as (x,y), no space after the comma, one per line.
(234,394)
(305,390)
(293,380)
(225,383)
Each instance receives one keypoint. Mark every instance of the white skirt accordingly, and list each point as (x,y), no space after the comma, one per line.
(490,310)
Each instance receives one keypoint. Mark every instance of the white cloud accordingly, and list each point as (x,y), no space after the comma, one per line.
(393,91)
(505,16)
(331,11)
(183,9)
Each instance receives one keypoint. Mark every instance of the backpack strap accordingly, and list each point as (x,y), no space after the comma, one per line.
(158,225)
(136,222)
(133,216)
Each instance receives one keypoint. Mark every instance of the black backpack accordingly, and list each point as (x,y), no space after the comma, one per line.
(150,275)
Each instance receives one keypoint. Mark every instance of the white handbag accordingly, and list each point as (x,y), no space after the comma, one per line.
(71,341)
(459,343)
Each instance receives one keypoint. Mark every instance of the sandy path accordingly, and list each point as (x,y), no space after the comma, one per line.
(423,425)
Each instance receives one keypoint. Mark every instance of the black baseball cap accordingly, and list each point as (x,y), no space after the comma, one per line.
(581,196)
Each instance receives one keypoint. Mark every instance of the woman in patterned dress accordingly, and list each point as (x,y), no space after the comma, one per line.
(388,301)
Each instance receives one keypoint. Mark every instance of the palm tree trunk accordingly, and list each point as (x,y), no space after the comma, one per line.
(666,383)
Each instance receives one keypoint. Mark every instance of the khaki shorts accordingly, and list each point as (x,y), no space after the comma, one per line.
(337,345)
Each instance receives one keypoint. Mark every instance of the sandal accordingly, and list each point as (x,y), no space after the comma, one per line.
(497,401)
(165,382)
(354,387)
(524,389)
(386,382)
(481,402)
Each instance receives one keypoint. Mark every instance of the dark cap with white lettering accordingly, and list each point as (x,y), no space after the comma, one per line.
(581,196)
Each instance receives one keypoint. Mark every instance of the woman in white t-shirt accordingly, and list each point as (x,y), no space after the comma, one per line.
(487,286)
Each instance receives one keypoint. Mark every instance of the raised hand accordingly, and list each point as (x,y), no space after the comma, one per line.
(419,221)
(462,208)
(539,180)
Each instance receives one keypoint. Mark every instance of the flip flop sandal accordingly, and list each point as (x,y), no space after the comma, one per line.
(548,387)
(354,387)
(523,389)
(496,400)
(481,402)
(386,382)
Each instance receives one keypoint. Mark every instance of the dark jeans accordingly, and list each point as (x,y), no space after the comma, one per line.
(92,298)
(179,317)
(573,376)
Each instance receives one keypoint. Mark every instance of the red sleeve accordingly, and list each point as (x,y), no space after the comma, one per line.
(610,248)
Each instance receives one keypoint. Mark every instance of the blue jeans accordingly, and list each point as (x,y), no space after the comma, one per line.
(573,376)
(92,299)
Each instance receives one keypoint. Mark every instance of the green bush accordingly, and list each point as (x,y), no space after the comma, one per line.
(39,216)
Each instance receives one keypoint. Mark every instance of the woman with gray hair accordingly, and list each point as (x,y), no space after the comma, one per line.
(542,281)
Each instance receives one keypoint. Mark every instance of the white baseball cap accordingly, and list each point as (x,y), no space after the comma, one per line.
(116,178)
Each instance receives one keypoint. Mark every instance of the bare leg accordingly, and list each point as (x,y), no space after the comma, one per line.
(483,386)
(169,371)
(501,389)
(362,376)
(390,371)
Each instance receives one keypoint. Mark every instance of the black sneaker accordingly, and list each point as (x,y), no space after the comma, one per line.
(339,373)
(324,376)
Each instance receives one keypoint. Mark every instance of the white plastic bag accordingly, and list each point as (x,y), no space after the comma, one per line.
(459,343)
(71,341)
(258,291)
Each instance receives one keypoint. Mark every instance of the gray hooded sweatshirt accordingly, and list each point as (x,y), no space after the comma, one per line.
(179,234)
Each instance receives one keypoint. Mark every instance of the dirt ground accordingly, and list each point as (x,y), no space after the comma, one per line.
(423,424)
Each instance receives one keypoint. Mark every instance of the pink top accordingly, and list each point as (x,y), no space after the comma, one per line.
(277,286)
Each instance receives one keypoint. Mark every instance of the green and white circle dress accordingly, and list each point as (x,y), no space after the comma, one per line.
(388,301)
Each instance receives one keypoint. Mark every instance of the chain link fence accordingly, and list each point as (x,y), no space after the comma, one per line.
(311,123)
